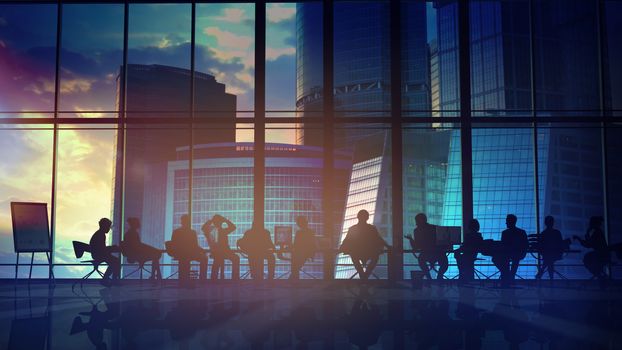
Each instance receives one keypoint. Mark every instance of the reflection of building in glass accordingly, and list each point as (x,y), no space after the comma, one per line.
(362,88)
(223,184)
(503,159)
(362,74)
(148,147)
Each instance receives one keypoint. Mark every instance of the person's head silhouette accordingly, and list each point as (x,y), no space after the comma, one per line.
(474,225)
(510,220)
(185,221)
(134,223)
(549,221)
(421,219)
(363,216)
(105,224)
(301,221)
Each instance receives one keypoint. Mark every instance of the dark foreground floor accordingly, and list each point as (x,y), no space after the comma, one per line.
(318,315)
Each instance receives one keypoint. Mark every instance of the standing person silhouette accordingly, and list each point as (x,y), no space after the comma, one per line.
(514,244)
(595,260)
(101,252)
(551,247)
(424,239)
(220,246)
(467,253)
(185,248)
(304,246)
(135,250)
(364,245)
(258,246)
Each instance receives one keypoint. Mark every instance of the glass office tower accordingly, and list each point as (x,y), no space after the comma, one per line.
(223,184)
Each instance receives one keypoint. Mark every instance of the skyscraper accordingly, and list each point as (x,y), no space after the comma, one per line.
(148,148)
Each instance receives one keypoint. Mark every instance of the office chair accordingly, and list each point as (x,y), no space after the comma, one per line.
(79,248)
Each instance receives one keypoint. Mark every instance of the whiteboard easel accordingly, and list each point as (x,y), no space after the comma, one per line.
(31,233)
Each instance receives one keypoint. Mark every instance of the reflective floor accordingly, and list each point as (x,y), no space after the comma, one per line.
(310,315)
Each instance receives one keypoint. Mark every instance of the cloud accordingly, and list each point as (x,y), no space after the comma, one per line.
(69,86)
(274,53)
(278,12)
(228,39)
(232,15)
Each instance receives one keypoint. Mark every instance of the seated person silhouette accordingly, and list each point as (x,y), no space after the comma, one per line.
(101,252)
(596,260)
(424,239)
(257,244)
(219,246)
(364,245)
(136,251)
(514,245)
(550,246)
(185,248)
(467,253)
(303,248)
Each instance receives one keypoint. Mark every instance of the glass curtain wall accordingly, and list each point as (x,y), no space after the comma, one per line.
(270,111)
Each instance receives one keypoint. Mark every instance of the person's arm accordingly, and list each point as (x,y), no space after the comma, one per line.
(230,226)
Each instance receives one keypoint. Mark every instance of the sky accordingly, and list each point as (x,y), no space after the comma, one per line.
(91,55)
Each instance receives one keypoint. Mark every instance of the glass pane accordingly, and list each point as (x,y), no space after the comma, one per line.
(566,57)
(92,53)
(222,183)
(500,63)
(281,59)
(26,173)
(366,158)
(431,182)
(362,65)
(85,169)
(571,185)
(225,49)
(27,58)
(427,64)
(155,182)
(309,60)
(504,183)
(444,61)
(294,187)
(614,187)
(613,54)
(158,79)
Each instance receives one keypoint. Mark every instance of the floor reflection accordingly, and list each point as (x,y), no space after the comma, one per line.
(327,316)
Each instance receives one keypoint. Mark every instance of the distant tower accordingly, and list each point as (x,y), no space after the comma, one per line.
(162,91)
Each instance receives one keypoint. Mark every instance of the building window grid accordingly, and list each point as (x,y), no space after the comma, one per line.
(449,207)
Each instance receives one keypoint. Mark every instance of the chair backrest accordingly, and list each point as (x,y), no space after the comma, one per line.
(79,248)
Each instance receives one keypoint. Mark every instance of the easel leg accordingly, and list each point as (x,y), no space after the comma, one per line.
(32,259)
(16,265)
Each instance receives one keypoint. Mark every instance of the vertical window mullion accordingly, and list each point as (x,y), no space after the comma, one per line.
(260,113)
(328,140)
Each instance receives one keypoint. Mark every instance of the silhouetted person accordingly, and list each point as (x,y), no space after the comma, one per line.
(220,246)
(364,245)
(467,253)
(424,239)
(101,252)
(514,245)
(185,248)
(136,251)
(551,247)
(258,246)
(595,260)
(304,246)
